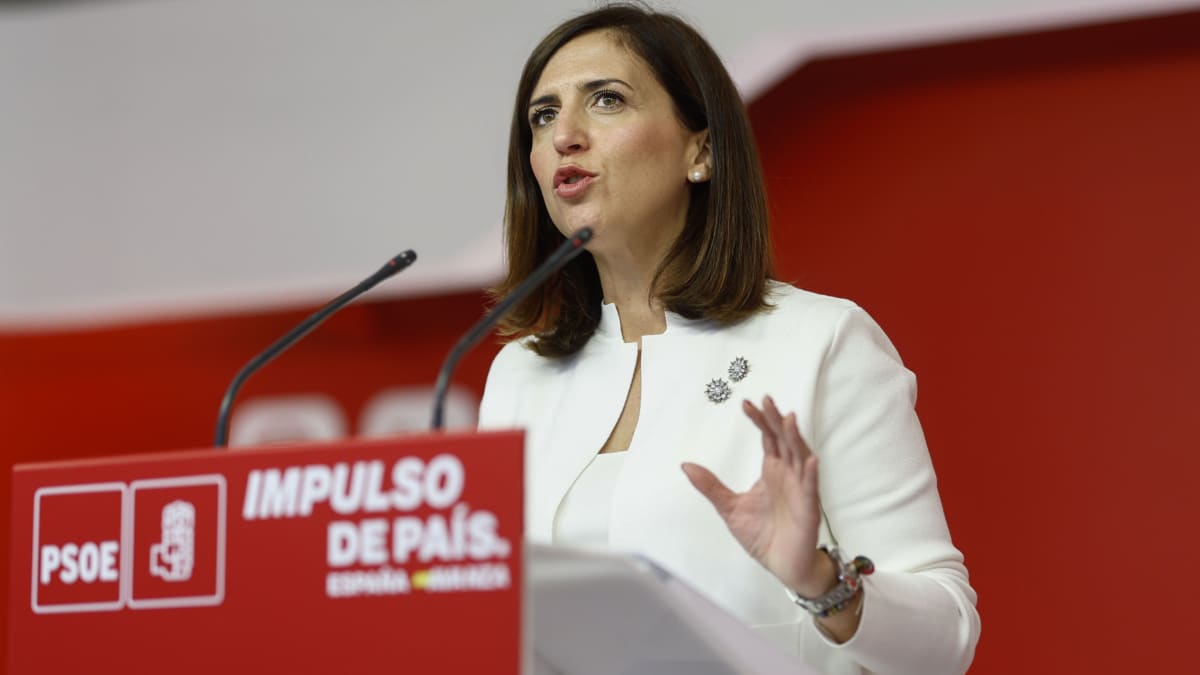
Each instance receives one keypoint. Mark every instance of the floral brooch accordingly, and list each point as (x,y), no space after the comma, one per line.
(718,390)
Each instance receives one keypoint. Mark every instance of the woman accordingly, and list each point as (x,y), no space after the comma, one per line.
(628,364)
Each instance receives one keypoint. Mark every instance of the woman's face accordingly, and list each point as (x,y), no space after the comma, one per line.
(608,150)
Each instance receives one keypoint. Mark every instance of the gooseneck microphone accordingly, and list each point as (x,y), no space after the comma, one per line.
(562,255)
(293,336)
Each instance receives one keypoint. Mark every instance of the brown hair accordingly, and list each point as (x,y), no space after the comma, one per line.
(719,265)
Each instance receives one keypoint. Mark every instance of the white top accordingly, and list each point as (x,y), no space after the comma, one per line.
(582,518)
(824,359)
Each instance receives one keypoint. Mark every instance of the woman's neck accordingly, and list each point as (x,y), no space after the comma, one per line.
(626,281)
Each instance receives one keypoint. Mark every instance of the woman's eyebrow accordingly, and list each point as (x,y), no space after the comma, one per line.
(590,85)
(597,84)
(543,100)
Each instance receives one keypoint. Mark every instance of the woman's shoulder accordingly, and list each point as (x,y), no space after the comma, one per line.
(783,292)
(790,304)
(804,317)
(517,362)
(835,325)
(515,356)
(509,374)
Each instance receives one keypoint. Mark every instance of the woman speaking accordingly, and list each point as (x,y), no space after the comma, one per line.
(664,373)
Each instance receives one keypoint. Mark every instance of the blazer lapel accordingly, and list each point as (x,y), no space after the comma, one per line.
(599,381)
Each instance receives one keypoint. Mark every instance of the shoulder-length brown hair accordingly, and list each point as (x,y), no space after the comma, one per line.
(719,266)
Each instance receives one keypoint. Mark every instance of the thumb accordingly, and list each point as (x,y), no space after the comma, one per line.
(711,487)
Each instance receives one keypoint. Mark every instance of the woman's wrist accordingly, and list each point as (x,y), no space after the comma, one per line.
(822,577)
(844,594)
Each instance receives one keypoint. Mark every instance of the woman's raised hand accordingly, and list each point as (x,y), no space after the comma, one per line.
(777,519)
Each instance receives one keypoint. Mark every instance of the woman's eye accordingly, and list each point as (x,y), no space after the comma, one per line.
(541,117)
(608,99)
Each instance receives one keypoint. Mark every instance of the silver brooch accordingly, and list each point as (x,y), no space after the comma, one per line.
(717,391)
(738,369)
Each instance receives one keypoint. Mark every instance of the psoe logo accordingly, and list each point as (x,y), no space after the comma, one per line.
(143,545)
(173,558)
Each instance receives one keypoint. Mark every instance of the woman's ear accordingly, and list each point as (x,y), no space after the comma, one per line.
(700,166)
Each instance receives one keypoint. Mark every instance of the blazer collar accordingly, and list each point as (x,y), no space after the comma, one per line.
(609,328)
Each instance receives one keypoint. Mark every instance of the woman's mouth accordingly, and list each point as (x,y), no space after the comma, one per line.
(572,181)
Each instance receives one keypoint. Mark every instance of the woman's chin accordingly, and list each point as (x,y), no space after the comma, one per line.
(574,225)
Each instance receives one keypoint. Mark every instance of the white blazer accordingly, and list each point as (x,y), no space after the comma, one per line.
(821,357)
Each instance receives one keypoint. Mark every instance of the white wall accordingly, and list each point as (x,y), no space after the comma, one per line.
(175,157)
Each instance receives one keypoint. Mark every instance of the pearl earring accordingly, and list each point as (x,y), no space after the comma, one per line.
(696,176)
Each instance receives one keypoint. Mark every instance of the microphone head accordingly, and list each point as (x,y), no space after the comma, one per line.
(404,259)
(582,236)
(393,266)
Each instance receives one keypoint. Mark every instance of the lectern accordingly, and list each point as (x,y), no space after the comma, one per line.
(400,554)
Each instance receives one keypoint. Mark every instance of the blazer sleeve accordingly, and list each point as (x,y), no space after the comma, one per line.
(498,408)
(879,495)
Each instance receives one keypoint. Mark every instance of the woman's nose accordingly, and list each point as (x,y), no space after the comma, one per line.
(570,133)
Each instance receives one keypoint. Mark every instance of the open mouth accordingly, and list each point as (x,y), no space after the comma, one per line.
(571,175)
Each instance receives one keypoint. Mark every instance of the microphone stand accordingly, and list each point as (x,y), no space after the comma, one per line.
(566,251)
(293,336)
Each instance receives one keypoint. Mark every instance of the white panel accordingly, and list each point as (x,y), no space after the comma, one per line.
(300,418)
(195,156)
(408,409)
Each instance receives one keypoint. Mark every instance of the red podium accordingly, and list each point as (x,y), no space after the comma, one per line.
(401,555)
(394,555)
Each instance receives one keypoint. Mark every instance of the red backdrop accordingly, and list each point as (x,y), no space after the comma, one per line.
(1020,214)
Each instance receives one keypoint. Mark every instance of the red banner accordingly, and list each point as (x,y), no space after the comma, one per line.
(401,554)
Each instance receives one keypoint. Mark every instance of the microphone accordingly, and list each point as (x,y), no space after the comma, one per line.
(393,266)
(562,255)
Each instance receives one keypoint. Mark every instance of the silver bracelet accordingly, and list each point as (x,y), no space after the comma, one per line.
(850,576)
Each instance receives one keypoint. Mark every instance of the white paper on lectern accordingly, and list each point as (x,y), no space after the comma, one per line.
(613,614)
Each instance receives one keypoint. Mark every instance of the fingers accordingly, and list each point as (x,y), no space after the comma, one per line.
(771,414)
(794,441)
(711,487)
(809,480)
(783,432)
(769,442)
